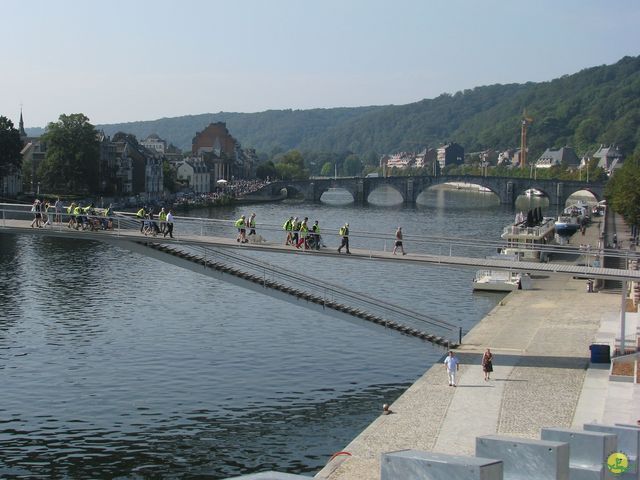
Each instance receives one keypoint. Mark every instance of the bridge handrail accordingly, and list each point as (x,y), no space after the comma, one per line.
(203,227)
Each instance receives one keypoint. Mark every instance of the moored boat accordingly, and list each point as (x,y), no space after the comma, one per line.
(532,192)
(527,235)
(567,225)
(500,281)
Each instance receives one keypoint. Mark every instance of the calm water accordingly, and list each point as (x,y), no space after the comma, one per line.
(113,365)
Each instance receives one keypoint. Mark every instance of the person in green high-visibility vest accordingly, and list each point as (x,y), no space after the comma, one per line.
(315,236)
(241,225)
(162,216)
(304,230)
(344,233)
(288,227)
(141,214)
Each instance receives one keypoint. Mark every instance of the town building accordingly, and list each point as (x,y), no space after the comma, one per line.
(223,153)
(196,173)
(609,158)
(565,156)
(450,154)
(155,143)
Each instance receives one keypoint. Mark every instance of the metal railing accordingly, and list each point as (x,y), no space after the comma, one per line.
(374,241)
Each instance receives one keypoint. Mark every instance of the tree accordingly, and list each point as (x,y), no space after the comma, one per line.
(125,137)
(169,176)
(327,169)
(291,166)
(352,166)
(623,193)
(266,169)
(73,154)
(10,147)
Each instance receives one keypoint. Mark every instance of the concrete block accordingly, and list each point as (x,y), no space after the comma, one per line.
(526,459)
(419,465)
(588,451)
(269,476)
(628,443)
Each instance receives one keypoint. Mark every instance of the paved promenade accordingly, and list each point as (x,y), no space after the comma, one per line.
(540,339)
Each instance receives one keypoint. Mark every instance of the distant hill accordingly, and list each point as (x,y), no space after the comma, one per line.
(596,105)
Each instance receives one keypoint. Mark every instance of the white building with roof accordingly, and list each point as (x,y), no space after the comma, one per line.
(196,173)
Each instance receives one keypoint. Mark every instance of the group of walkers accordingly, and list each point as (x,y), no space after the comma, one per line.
(241,224)
(88,218)
(79,217)
(301,235)
(149,226)
(452,365)
(42,213)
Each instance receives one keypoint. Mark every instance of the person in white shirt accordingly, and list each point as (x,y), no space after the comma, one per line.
(451,364)
(169,229)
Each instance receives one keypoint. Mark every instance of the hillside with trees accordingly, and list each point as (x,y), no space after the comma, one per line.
(596,105)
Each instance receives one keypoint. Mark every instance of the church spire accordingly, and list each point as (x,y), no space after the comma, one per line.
(21,125)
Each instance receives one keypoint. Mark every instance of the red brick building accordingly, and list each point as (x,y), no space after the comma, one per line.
(218,148)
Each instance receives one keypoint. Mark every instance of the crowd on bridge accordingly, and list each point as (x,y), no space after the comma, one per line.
(299,232)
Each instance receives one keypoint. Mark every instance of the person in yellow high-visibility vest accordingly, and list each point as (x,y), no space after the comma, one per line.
(304,230)
(241,225)
(288,227)
(162,216)
(344,233)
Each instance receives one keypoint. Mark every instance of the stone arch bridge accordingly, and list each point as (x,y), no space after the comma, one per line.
(506,188)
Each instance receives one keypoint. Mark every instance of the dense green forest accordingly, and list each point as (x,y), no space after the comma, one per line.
(596,105)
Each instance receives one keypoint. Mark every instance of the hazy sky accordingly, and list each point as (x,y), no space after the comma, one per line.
(129,60)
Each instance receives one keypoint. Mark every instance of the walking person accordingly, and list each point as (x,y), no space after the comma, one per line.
(242,230)
(169,229)
(451,364)
(398,243)
(252,224)
(487,364)
(162,216)
(344,233)
(36,209)
(46,213)
(58,208)
(288,227)
(304,230)
(295,228)
(141,214)
(315,235)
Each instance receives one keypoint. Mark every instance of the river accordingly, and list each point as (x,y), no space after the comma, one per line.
(113,365)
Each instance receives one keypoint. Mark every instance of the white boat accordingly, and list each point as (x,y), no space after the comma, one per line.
(567,225)
(526,241)
(532,192)
(500,281)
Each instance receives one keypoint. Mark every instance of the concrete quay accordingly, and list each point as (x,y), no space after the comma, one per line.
(542,378)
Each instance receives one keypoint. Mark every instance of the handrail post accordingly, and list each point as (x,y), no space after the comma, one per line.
(459,335)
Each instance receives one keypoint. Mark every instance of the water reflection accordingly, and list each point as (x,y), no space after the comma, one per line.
(130,367)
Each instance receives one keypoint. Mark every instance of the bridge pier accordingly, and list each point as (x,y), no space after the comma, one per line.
(408,191)
(360,198)
(509,197)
